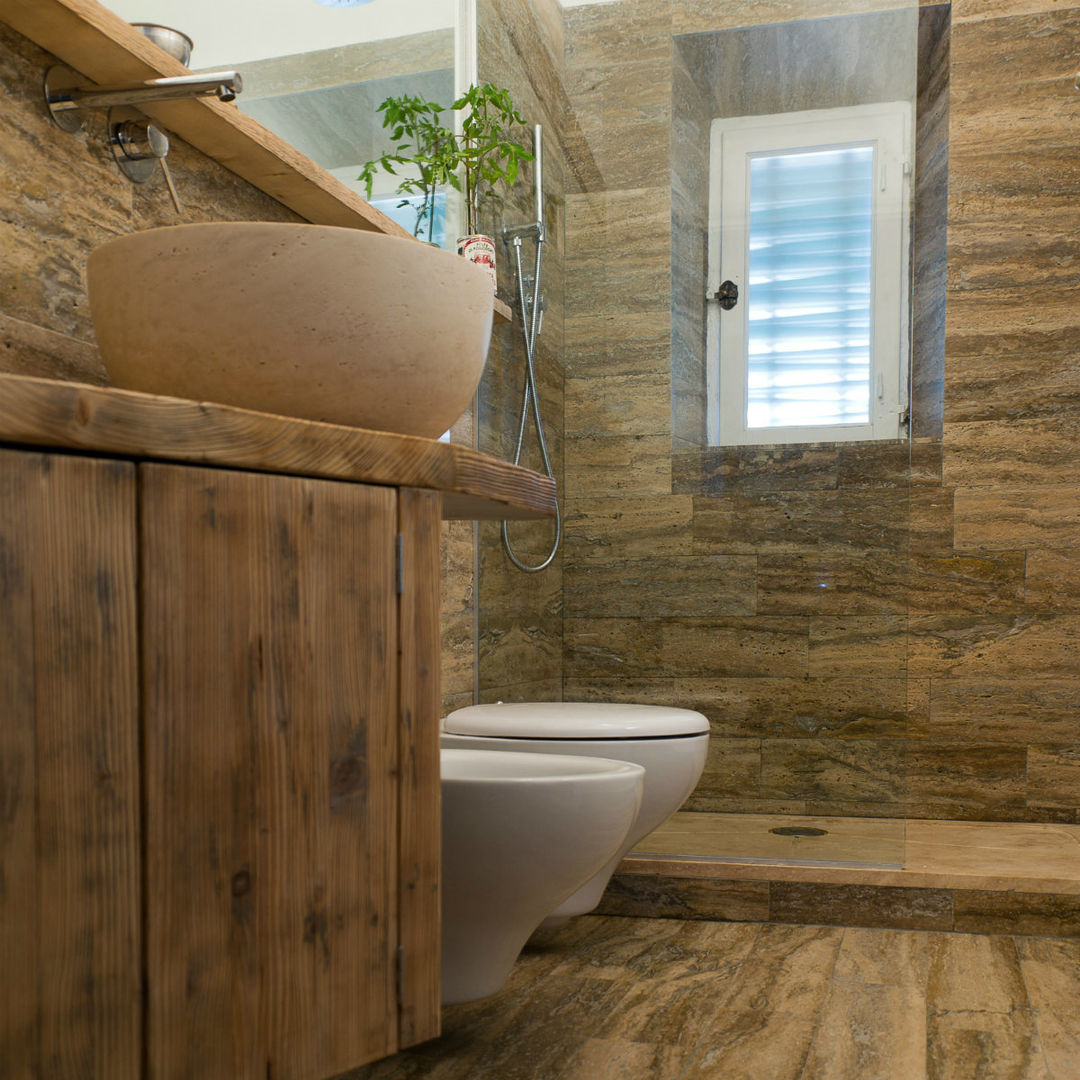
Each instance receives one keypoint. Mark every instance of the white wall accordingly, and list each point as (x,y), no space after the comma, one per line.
(228,32)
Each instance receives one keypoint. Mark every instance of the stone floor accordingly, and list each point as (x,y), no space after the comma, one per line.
(1034,856)
(609,998)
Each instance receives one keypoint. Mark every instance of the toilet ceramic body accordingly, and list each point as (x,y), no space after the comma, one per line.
(521,832)
(669,743)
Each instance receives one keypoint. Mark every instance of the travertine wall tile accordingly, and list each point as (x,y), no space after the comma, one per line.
(1053,775)
(860,905)
(514,651)
(858,584)
(994,645)
(1053,580)
(665,897)
(980,10)
(618,78)
(720,470)
(931,520)
(859,645)
(614,405)
(1036,517)
(1009,455)
(679,647)
(803,521)
(698,16)
(597,467)
(775,707)
(709,585)
(995,375)
(617,343)
(968,581)
(833,770)
(1017,913)
(618,251)
(984,782)
(732,771)
(537,690)
(1018,710)
(608,527)
(29,349)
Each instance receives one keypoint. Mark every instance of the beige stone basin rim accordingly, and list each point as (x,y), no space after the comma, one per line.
(314,321)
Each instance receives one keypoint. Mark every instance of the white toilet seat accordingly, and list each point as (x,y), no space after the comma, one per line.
(574,720)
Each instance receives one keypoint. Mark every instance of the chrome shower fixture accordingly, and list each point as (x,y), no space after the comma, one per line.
(531,305)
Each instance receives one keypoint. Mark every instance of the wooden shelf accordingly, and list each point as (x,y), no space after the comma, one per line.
(123,423)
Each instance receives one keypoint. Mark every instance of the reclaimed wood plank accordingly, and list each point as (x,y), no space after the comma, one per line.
(270,762)
(77,416)
(70,930)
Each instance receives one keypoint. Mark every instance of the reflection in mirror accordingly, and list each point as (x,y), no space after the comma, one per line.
(315,72)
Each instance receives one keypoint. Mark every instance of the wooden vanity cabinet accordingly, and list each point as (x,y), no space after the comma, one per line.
(218,770)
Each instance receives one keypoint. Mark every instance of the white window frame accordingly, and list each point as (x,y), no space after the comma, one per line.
(888,128)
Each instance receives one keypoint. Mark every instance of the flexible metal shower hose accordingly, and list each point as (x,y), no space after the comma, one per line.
(530,327)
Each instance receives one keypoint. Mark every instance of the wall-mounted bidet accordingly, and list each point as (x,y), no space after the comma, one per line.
(670,744)
(520,833)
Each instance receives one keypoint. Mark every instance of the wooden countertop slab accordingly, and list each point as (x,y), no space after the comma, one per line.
(94,419)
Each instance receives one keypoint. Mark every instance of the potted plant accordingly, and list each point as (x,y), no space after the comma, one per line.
(476,162)
(488,159)
(422,142)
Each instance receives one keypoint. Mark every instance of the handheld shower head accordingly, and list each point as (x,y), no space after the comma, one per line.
(538,177)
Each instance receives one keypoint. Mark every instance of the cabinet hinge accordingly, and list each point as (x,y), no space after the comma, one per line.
(399,975)
(400,555)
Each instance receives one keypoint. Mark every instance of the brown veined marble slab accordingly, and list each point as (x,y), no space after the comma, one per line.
(616,998)
(76,416)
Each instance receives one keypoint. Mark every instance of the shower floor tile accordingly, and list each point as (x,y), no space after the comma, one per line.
(982,855)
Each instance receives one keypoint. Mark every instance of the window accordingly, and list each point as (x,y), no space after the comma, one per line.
(809,217)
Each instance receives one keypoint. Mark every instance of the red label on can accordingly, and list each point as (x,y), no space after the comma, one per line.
(479,249)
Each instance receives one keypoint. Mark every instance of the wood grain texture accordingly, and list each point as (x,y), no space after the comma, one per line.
(271,753)
(419,706)
(70,936)
(74,416)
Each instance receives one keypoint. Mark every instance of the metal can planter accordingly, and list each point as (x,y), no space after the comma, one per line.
(479,249)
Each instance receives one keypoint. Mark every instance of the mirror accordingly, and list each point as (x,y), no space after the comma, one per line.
(315,71)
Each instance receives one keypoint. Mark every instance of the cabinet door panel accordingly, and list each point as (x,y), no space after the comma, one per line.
(70,939)
(270,706)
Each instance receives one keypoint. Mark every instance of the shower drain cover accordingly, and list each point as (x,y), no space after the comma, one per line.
(799,830)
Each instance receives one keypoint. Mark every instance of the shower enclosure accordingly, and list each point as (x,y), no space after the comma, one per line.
(770,583)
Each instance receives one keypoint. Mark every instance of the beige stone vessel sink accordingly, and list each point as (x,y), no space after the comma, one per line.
(311,321)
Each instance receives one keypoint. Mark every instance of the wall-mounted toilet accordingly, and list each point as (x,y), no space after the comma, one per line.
(670,744)
(521,832)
